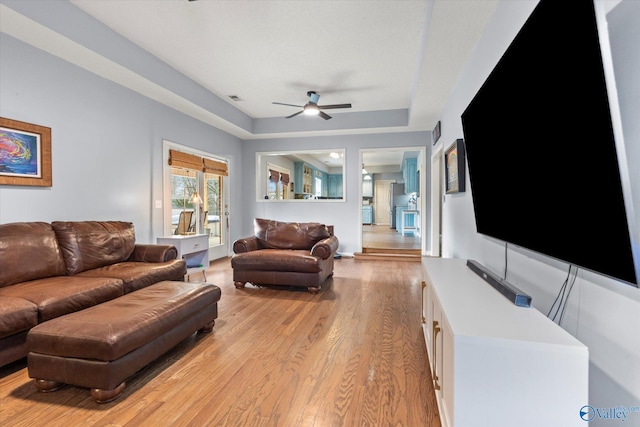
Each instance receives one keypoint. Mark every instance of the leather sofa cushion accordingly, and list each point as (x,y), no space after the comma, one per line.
(56,296)
(289,235)
(138,275)
(29,251)
(16,315)
(92,244)
(277,260)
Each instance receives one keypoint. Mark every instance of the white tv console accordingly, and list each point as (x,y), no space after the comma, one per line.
(495,364)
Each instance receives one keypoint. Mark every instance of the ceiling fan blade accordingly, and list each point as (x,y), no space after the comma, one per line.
(289,105)
(293,115)
(326,107)
(324,115)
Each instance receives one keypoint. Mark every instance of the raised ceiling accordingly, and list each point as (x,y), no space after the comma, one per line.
(395,61)
(377,55)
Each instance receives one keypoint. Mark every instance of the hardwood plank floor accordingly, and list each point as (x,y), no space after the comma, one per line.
(353,355)
(381,236)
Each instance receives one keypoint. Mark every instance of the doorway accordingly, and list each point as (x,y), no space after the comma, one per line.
(387,166)
(196,183)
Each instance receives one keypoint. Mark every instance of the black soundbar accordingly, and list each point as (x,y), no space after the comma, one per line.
(512,293)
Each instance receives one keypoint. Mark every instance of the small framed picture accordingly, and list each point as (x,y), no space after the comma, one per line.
(25,154)
(454,167)
(435,134)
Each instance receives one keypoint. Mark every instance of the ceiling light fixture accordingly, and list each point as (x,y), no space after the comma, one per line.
(364,171)
(311,110)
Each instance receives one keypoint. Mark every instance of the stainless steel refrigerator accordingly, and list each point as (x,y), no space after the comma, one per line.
(396,198)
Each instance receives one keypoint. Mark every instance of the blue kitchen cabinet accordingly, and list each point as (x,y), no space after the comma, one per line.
(367,214)
(335,185)
(410,175)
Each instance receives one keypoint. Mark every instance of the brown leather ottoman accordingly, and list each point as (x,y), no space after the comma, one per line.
(101,346)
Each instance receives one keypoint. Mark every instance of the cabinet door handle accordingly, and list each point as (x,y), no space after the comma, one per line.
(436,330)
(424,285)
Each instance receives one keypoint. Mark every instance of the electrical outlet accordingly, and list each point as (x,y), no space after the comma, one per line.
(158,204)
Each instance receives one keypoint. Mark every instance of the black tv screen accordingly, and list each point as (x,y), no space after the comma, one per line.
(541,153)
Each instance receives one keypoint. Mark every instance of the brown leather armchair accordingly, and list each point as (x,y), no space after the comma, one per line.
(285,253)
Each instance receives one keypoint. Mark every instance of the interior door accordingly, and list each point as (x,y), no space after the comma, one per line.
(382,208)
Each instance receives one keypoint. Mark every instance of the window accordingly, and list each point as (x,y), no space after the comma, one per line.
(184,184)
(278,179)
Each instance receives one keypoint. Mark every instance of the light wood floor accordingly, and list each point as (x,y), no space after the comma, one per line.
(353,355)
(381,236)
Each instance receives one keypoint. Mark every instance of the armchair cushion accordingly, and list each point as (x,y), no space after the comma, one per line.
(289,235)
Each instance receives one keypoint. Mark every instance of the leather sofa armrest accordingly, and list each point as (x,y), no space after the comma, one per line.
(325,248)
(153,253)
(246,244)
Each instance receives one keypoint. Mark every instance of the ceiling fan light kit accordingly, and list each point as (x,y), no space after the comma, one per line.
(312,108)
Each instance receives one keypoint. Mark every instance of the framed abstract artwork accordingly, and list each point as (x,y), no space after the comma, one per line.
(454,167)
(25,154)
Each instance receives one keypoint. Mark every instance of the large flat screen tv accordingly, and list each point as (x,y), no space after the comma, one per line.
(540,146)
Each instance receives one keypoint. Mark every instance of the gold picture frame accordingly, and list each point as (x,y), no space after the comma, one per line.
(25,154)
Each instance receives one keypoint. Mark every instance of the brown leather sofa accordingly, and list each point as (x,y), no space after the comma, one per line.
(285,253)
(51,269)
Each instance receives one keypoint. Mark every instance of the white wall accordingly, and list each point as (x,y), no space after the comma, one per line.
(602,313)
(344,215)
(106,143)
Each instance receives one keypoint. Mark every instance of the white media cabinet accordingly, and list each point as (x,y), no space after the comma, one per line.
(495,364)
(194,249)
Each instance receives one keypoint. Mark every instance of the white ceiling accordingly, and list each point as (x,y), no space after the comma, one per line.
(370,53)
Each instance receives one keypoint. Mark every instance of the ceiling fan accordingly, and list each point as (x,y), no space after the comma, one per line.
(312,108)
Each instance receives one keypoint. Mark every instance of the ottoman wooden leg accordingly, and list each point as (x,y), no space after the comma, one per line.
(104,396)
(238,285)
(47,386)
(208,327)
